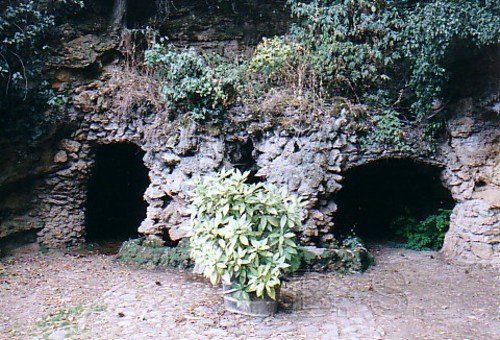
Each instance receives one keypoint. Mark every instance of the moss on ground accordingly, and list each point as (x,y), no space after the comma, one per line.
(349,257)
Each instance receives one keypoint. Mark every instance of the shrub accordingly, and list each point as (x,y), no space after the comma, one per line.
(203,85)
(275,59)
(426,234)
(139,252)
(389,55)
(25,31)
(432,30)
(242,233)
(383,124)
(350,43)
(358,46)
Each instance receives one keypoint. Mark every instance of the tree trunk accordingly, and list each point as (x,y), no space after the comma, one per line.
(119,11)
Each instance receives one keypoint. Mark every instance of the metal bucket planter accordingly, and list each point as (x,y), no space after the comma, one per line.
(254,307)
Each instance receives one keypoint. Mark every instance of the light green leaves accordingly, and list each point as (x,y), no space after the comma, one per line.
(200,84)
(242,232)
(244,240)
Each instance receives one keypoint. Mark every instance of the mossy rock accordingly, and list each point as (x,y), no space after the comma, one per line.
(134,251)
(350,257)
(344,258)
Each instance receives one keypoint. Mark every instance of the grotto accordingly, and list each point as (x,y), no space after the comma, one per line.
(335,162)
(115,208)
(74,170)
(375,194)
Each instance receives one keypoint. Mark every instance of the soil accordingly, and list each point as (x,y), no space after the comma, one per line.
(86,295)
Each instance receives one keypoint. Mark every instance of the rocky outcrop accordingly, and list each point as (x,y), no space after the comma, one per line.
(120,105)
(310,164)
(224,26)
(473,177)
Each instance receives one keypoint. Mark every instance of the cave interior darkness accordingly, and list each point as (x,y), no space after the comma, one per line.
(115,206)
(375,194)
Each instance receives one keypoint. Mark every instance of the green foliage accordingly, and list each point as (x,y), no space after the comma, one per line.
(242,233)
(432,29)
(25,28)
(139,252)
(350,43)
(390,55)
(22,28)
(357,46)
(353,255)
(388,131)
(426,234)
(275,59)
(203,85)
(383,123)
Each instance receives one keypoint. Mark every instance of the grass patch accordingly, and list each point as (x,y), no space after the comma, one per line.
(61,318)
(65,318)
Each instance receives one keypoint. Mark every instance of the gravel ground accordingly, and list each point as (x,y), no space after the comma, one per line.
(407,295)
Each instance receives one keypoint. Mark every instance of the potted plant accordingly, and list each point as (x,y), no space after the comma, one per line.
(242,235)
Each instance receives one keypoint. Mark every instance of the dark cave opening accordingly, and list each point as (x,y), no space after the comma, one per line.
(140,13)
(242,158)
(115,206)
(102,8)
(473,71)
(374,195)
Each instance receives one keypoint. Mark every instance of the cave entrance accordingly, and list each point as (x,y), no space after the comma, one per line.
(115,206)
(377,194)
(241,156)
(140,13)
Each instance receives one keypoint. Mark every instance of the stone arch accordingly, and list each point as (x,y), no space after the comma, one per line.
(63,195)
(376,191)
(114,205)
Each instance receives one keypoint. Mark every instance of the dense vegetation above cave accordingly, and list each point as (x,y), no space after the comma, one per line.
(399,59)
(395,58)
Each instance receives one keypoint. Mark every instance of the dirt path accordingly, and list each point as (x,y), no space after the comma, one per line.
(407,295)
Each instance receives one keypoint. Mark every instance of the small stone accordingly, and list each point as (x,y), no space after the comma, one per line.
(58,335)
(171,159)
(61,157)
(314,251)
(111,127)
(70,145)
(286,328)
(311,330)
(155,192)
(482,250)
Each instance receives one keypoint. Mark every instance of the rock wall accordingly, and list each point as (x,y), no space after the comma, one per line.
(472,174)
(63,195)
(105,109)
(310,164)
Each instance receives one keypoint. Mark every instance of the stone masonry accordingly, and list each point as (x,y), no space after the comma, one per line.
(310,165)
